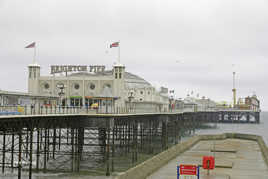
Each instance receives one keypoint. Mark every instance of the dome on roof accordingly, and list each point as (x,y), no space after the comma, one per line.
(134,81)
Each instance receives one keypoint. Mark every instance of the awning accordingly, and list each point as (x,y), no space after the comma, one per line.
(76,97)
(101,98)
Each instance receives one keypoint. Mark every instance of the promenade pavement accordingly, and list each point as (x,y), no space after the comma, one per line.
(235,159)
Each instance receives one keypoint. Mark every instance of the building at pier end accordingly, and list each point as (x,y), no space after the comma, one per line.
(92,86)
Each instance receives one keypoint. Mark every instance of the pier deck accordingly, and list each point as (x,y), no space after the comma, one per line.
(242,159)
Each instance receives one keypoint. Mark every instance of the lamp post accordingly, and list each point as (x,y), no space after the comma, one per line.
(171,100)
(130,97)
(208,104)
(61,93)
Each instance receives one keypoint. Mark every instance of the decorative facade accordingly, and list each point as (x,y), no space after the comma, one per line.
(84,88)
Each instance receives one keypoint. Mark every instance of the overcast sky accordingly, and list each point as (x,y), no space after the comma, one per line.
(185,45)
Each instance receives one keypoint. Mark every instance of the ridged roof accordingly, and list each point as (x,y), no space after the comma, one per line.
(132,81)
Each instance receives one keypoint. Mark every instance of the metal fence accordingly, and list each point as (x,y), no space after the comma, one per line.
(38,110)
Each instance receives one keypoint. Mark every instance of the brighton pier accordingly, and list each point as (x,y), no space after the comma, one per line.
(103,143)
(101,122)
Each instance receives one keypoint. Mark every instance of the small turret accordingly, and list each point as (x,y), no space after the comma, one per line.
(119,71)
(33,78)
(119,82)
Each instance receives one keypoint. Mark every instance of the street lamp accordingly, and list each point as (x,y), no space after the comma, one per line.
(172,100)
(61,93)
(130,97)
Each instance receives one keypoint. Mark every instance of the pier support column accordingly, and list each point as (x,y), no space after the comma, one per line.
(54,142)
(113,147)
(38,149)
(4,151)
(45,151)
(164,135)
(108,147)
(80,143)
(73,150)
(257,117)
(20,146)
(176,130)
(31,152)
(12,150)
(134,141)
(248,117)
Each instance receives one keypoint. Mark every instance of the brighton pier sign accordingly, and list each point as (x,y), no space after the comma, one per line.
(76,68)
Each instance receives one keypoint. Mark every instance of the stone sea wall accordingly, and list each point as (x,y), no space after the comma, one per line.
(146,168)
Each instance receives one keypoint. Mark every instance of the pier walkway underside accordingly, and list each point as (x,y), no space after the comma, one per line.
(103,143)
(234,159)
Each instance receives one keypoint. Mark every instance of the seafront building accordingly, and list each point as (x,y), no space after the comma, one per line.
(112,90)
(191,104)
(12,98)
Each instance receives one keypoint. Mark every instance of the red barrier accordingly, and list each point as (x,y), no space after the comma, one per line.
(188,169)
(208,162)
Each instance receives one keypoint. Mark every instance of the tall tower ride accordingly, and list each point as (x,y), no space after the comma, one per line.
(234,91)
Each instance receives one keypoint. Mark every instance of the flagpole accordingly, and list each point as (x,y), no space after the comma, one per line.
(119,52)
(34,60)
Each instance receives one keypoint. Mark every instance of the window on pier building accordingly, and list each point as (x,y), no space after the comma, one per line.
(120,75)
(34,72)
(115,75)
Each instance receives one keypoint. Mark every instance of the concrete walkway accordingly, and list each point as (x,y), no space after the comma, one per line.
(235,159)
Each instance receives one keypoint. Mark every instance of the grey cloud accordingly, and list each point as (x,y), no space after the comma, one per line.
(205,36)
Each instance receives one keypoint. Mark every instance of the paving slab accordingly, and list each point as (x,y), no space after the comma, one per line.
(242,159)
(216,177)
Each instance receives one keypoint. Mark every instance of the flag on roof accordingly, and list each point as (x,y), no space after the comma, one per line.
(32,45)
(115,44)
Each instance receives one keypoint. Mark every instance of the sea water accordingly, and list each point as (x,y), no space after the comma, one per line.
(260,129)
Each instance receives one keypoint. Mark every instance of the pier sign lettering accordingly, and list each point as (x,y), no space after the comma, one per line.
(76,68)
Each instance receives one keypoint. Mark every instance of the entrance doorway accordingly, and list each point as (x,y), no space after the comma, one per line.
(76,101)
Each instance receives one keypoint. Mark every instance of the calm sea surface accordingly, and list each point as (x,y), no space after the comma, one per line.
(257,129)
